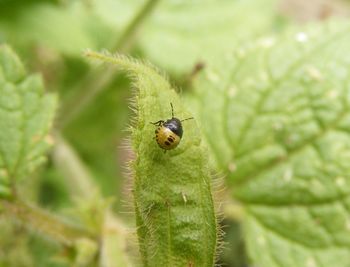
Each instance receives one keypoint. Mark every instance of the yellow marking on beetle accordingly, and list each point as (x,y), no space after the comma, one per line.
(166,139)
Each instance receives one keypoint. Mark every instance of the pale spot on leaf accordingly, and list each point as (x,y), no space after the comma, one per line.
(232,91)
(240,53)
(267,42)
(347,224)
(301,37)
(261,240)
(292,139)
(264,76)
(212,76)
(49,140)
(288,175)
(310,262)
(277,126)
(333,94)
(340,181)
(232,167)
(314,73)
(184,197)
(3,173)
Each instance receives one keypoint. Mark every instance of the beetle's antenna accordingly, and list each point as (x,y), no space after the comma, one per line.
(172,110)
(187,119)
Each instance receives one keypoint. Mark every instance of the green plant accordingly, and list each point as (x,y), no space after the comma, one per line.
(270,101)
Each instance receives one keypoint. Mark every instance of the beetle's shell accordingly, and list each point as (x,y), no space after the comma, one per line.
(166,138)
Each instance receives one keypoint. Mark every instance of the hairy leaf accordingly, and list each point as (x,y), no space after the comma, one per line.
(26,114)
(174,207)
(277,118)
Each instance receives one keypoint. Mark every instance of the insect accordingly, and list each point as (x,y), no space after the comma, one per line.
(169,133)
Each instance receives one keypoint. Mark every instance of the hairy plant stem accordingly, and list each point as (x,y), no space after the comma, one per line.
(37,219)
(175,215)
(97,79)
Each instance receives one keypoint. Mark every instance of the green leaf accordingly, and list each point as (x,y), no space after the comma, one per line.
(26,114)
(175,217)
(180,34)
(67,28)
(277,118)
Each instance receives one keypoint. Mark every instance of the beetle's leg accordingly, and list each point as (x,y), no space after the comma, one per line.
(158,123)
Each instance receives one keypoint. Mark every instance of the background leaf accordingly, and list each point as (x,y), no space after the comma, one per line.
(26,114)
(66,28)
(183,33)
(277,118)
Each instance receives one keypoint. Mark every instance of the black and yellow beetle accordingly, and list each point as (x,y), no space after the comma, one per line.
(169,133)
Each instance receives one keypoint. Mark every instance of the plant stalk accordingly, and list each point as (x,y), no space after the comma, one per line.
(128,35)
(96,80)
(78,178)
(37,219)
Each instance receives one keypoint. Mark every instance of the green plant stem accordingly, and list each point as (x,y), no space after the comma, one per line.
(112,233)
(97,79)
(128,35)
(113,243)
(78,178)
(171,191)
(37,219)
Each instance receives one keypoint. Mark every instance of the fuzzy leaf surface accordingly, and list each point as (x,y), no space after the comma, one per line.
(174,208)
(277,118)
(26,114)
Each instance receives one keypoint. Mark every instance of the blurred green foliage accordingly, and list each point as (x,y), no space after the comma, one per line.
(50,36)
